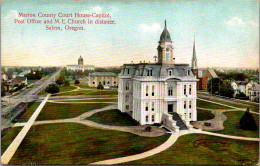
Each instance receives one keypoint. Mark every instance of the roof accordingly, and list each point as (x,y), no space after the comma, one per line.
(165,36)
(212,72)
(18,80)
(102,74)
(254,87)
(15,73)
(202,71)
(242,82)
(80,58)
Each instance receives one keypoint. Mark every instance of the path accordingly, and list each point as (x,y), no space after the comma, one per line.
(8,154)
(82,119)
(172,139)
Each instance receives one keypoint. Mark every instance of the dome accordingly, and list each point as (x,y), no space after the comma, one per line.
(80,58)
(165,36)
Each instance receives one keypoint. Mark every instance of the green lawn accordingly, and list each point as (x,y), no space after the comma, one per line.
(204,115)
(74,144)
(53,111)
(199,149)
(9,137)
(232,125)
(92,100)
(66,88)
(236,104)
(26,116)
(113,117)
(31,81)
(205,104)
(90,92)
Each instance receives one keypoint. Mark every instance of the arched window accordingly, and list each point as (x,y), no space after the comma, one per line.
(170,91)
(190,90)
(170,72)
(146,118)
(153,90)
(167,57)
(152,106)
(127,85)
(152,118)
(189,104)
(126,98)
(149,72)
(146,106)
(184,89)
(147,89)
(184,104)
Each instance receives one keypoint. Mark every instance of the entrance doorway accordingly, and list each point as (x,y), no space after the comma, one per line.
(170,108)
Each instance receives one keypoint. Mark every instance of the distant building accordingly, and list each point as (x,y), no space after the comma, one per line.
(162,92)
(80,66)
(4,76)
(105,78)
(239,87)
(203,74)
(19,80)
(22,74)
(248,86)
(254,93)
(15,74)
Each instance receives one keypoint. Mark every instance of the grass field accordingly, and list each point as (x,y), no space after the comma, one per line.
(53,111)
(232,125)
(9,137)
(92,100)
(26,116)
(198,149)
(205,104)
(204,115)
(252,107)
(113,117)
(66,88)
(73,144)
(89,92)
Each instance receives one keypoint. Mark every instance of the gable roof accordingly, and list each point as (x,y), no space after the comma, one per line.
(102,74)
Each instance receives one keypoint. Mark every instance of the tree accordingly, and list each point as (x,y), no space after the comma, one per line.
(247,121)
(214,83)
(52,88)
(148,129)
(100,86)
(220,87)
(59,81)
(77,82)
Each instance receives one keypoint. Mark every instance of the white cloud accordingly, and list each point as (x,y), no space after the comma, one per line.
(235,21)
(253,24)
(155,27)
(96,9)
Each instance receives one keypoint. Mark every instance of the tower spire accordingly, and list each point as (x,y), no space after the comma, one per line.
(194,58)
(165,23)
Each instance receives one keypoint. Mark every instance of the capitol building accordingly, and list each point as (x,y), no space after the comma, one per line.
(80,66)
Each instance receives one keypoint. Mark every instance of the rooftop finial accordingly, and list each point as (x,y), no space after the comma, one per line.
(165,23)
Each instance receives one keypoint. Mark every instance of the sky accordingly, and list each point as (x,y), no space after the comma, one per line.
(227,32)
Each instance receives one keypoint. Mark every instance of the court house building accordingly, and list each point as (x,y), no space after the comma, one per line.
(161,92)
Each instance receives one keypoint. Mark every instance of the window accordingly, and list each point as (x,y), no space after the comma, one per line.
(170,72)
(147,88)
(170,91)
(190,115)
(146,118)
(108,82)
(149,72)
(126,98)
(188,72)
(127,85)
(115,82)
(104,82)
(184,89)
(167,57)
(152,118)
(93,82)
(190,89)
(146,107)
(127,107)
(184,104)
(153,90)
(152,106)
(190,104)
(128,71)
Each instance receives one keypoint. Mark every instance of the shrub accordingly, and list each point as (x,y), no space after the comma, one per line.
(67,83)
(247,121)
(100,86)
(76,82)
(52,88)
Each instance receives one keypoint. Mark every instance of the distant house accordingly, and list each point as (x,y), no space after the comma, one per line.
(19,80)
(239,87)
(235,87)
(105,78)
(15,74)
(22,74)
(4,76)
(248,86)
(204,75)
(254,93)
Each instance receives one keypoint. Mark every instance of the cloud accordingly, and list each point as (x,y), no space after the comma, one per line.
(155,27)
(96,9)
(253,24)
(235,21)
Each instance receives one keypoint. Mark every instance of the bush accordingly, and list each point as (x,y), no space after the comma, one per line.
(247,121)
(52,88)
(148,129)
(3,91)
(59,81)
(76,82)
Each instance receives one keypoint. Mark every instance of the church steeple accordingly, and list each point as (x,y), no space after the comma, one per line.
(165,48)
(194,58)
